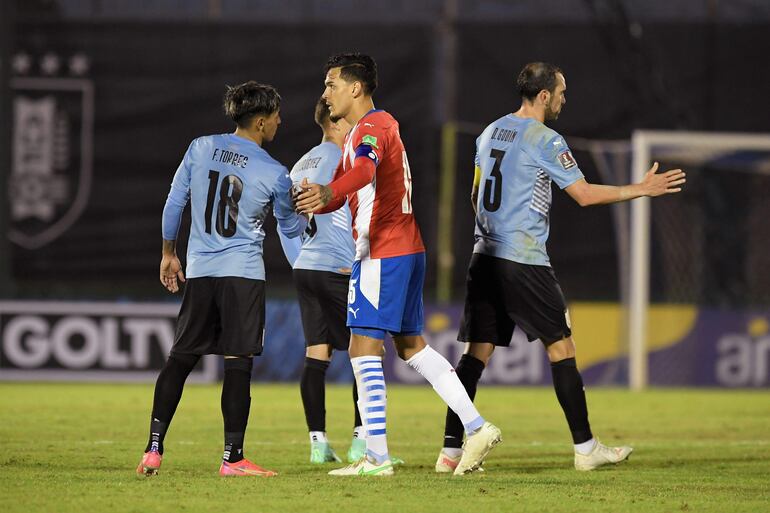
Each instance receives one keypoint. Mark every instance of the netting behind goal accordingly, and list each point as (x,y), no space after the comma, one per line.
(706,249)
(709,244)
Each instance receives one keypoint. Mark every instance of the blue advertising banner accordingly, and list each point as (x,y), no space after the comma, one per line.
(90,341)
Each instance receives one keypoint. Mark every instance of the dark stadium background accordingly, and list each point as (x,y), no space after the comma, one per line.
(159,70)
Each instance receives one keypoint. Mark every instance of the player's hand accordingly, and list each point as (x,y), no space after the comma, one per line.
(658,184)
(171,272)
(313,198)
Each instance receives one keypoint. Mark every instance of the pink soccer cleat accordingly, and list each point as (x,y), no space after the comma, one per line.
(150,464)
(244,468)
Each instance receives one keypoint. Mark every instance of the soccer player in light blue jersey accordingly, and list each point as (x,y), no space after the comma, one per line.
(510,280)
(322,265)
(231,183)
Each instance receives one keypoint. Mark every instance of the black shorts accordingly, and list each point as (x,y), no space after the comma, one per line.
(221,316)
(323,302)
(502,294)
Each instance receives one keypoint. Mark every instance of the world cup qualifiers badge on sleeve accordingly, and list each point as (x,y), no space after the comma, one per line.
(567,160)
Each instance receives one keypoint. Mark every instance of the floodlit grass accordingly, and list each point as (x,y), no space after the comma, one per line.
(74,448)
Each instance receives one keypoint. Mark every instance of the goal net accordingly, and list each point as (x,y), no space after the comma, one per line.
(702,252)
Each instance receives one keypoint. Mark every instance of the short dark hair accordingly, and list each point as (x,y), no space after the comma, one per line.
(355,67)
(322,114)
(535,77)
(244,101)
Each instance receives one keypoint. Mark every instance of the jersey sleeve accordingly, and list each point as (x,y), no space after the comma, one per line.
(369,142)
(557,161)
(178,196)
(291,247)
(290,223)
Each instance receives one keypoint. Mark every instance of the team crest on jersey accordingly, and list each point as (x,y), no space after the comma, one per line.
(52,141)
(370,140)
(567,160)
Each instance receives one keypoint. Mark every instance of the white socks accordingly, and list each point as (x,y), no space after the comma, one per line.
(452,452)
(318,436)
(439,373)
(371,404)
(586,447)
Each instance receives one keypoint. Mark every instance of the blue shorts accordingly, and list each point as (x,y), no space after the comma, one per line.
(386,294)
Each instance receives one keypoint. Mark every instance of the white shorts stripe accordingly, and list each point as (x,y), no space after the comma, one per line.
(370,281)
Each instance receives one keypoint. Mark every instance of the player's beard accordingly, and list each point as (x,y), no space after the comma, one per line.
(550,114)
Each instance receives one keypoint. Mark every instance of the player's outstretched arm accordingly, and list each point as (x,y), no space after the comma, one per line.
(290,223)
(170,267)
(317,199)
(669,182)
(322,199)
(654,184)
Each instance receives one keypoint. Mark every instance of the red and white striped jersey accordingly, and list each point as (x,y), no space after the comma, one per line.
(383,223)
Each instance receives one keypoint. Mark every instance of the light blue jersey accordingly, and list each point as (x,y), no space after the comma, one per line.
(518,158)
(328,244)
(232,183)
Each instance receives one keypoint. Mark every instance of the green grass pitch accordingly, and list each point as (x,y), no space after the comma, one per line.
(74,448)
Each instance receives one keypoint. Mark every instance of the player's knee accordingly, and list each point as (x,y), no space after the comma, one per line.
(560,349)
(239,363)
(481,351)
(408,344)
(183,362)
(319,352)
(366,342)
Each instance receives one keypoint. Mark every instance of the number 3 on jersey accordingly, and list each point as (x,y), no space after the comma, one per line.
(493,186)
(229,195)
(406,201)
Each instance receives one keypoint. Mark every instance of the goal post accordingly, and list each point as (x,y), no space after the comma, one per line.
(645,146)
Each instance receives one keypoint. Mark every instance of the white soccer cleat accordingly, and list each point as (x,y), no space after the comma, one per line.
(601,455)
(365,467)
(446,464)
(476,448)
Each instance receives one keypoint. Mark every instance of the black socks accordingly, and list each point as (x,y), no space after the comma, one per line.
(168,392)
(469,372)
(572,398)
(236,402)
(313,389)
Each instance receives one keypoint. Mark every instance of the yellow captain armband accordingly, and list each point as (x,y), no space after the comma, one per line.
(476,176)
